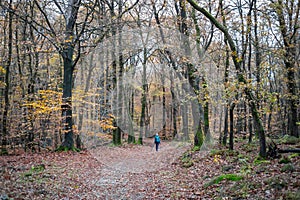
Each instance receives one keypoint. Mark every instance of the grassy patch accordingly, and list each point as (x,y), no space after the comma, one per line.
(186,160)
(284,160)
(294,155)
(223,152)
(259,161)
(287,139)
(249,147)
(3,152)
(65,149)
(216,180)
(276,182)
(34,170)
(195,148)
(292,195)
(288,168)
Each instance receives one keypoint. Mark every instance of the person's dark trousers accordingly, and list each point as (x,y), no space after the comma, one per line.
(156,145)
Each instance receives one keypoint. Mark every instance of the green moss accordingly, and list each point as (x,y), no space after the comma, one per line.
(34,170)
(284,160)
(38,168)
(65,149)
(246,169)
(187,160)
(231,177)
(27,174)
(294,155)
(276,182)
(249,147)
(288,168)
(287,139)
(199,138)
(188,163)
(259,161)
(3,152)
(223,152)
(292,195)
(196,148)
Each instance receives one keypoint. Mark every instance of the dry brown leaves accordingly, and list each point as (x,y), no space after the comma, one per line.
(138,172)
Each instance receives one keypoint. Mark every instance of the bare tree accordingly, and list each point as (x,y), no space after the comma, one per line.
(240,75)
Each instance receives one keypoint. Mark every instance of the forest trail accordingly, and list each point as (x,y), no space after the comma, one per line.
(139,158)
(128,172)
(139,172)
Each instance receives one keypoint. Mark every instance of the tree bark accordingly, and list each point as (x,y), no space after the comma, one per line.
(67,55)
(232,106)
(7,84)
(240,76)
(289,41)
(191,76)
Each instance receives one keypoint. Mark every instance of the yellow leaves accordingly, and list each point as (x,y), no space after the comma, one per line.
(184,59)
(236,56)
(54,60)
(239,59)
(69,39)
(217,158)
(2,70)
(154,59)
(48,102)
(111,115)
(234,53)
(2,84)
(107,123)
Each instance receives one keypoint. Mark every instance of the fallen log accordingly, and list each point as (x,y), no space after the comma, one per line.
(274,151)
(288,150)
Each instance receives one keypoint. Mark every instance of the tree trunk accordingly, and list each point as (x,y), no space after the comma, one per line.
(240,76)
(7,84)
(131,134)
(67,55)
(144,98)
(164,106)
(226,82)
(224,141)
(206,109)
(191,76)
(231,125)
(289,41)
(174,105)
(68,142)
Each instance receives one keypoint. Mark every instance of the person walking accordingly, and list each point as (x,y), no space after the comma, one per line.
(156,141)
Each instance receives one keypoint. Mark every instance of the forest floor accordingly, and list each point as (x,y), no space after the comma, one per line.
(139,172)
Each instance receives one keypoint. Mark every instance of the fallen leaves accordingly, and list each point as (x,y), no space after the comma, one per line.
(136,172)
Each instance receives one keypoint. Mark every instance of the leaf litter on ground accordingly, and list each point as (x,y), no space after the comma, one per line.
(138,172)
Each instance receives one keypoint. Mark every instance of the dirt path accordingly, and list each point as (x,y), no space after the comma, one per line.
(138,172)
(128,173)
(139,159)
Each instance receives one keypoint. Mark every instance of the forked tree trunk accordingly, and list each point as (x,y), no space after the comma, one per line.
(240,76)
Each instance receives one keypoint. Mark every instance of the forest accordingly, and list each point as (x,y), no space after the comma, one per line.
(86,84)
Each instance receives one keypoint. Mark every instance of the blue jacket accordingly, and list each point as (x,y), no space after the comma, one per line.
(156,139)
